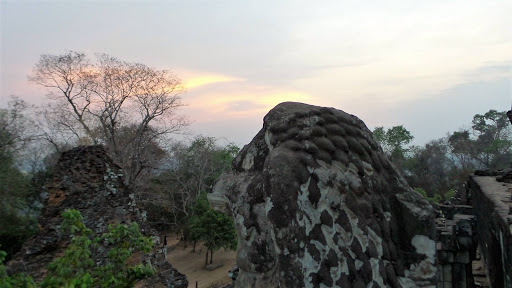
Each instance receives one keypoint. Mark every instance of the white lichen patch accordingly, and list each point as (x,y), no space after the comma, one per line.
(309,266)
(331,180)
(358,264)
(425,246)
(387,215)
(239,222)
(353,168)
(374,262)
(342,268)
(268,136)
(377,241)
(368,168)
(424,269)
(248,162)
(356,231)
(406,282)
(268,205)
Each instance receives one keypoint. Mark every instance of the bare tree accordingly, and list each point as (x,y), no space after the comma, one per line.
(128,107)
(16,127)
(192,169)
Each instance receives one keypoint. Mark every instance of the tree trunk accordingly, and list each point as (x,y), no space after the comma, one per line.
(194,250)
(211,255)
(206,261)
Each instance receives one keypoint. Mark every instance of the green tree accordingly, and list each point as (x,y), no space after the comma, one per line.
(215,229)
(195,229)
(394,142)
(219,232)
(18,280)
(17,223)
(76,267)
(429,167)
(486,146)
(492,139)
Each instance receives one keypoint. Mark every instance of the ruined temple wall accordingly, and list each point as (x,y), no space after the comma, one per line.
(492,207)
(87,180)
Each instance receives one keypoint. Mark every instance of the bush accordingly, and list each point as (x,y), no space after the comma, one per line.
(76,267)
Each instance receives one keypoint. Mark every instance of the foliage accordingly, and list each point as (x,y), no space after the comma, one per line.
(436,199)
(215,229)
(448,195)
(441,166)
(429,167)
(76,267)
(192,170)
(19,280)
(492,139)
(16,225)
(393,140)
(487,146)
(17,222)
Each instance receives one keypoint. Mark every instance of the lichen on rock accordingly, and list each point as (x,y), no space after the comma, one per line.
(316,203)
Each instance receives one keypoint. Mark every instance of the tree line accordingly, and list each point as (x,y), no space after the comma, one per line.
(440,167)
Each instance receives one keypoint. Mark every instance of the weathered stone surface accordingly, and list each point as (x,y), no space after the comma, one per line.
(86,179)
(317,204)
(492,204)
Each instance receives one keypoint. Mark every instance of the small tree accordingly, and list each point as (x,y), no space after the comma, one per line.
(18,280)
(393,140)
(215,229)
(195,229)
(219,232)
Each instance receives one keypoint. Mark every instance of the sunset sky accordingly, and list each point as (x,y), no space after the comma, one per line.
(427,65)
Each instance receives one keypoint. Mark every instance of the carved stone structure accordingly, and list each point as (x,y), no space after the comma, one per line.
(86,179)
(317,204)
(456,246)
(492,204)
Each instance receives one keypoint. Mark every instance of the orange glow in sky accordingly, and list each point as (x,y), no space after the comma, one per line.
(198,81)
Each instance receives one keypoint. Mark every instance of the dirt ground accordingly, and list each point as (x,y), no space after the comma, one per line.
(191,264)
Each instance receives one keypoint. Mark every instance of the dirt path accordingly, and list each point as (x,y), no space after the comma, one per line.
(191,264)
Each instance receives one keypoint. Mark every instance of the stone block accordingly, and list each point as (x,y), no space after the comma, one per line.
(450,257)
(447,273)
(465,242)
(462,257)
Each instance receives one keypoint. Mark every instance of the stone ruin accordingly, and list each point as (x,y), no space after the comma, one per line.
(491,199)
(474,242)
(316,203)
(86,179)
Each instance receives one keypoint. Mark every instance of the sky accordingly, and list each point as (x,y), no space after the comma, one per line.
(427,65)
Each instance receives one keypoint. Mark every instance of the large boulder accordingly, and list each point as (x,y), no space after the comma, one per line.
(316,203)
